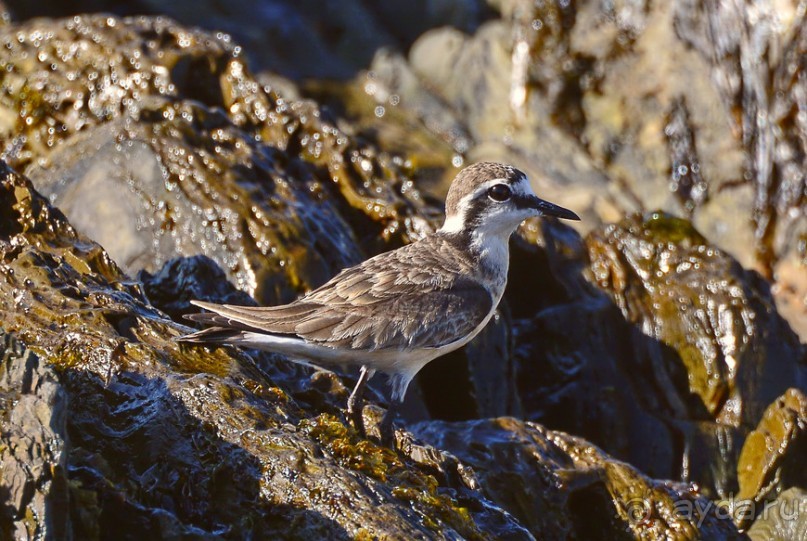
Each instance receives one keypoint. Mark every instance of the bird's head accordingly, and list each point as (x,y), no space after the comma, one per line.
(493,199)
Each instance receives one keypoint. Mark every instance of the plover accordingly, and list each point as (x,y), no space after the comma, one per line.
(397,311)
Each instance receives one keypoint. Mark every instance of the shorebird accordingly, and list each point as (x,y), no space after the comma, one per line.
(397,311)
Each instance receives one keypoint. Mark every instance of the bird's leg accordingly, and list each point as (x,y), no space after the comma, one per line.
(355,403)
(387,427)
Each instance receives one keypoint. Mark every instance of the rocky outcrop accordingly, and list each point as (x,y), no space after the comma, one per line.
(617,107)
(562,487)
(771,461)
(33,446)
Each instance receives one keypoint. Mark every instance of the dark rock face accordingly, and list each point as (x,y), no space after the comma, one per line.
(676,382)
(33,446)
(564,488)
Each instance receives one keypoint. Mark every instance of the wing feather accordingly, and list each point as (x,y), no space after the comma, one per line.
(407,298)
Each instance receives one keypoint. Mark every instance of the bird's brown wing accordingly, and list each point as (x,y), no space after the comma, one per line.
(401,299)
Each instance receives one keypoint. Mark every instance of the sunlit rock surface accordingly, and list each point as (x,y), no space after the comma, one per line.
(198,153)
(772,459)
(782,520)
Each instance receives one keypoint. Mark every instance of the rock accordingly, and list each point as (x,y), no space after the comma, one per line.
(33,447)
(153,131)
(564,488)
(182,280)
(234,203)
(772,458)
(782,520)
(650,343)
(321,39)
(769,91)
(472,75)
(790,287)
(719,321)
(616,107)
(168,440)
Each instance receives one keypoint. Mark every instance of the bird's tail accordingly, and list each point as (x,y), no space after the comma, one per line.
(214,335)
(221,331)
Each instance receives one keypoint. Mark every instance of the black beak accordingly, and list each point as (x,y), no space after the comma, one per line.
(550,209)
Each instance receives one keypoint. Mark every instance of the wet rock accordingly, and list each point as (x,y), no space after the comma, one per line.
(564,488)
(472,76)
(784,519)
(616,107)
(201,158)
(687,182)
(168,440)
(420,126)
(478,387)
(770,89)
(790,288)
(772,459)
(270,189)
(650,343)
(734,351)
(33,446)
(302,40)
(205,188)
(182,280)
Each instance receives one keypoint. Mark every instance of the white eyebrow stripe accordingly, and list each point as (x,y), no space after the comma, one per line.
(456,223)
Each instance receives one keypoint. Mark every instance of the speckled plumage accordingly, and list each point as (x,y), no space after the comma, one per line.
(424,295)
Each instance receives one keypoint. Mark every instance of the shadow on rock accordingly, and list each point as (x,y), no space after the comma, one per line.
(650,343)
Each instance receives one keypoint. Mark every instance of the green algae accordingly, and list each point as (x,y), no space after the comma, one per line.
(662,227)
(383,464)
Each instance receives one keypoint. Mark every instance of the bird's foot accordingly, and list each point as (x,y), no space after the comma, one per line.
(355,414)
(387,429)
(355,402)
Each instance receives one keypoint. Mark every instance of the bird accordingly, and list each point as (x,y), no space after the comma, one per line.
(397,311)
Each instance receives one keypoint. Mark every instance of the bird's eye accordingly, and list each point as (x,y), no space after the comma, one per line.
(499,192)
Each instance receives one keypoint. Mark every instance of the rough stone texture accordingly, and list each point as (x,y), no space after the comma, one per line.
(783,520)
(719,321)
(189,178)
(158,142)
(673,385)
(642,337)
(772,459)
(169,440)
(564,488)
(33,446)
(323,39)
